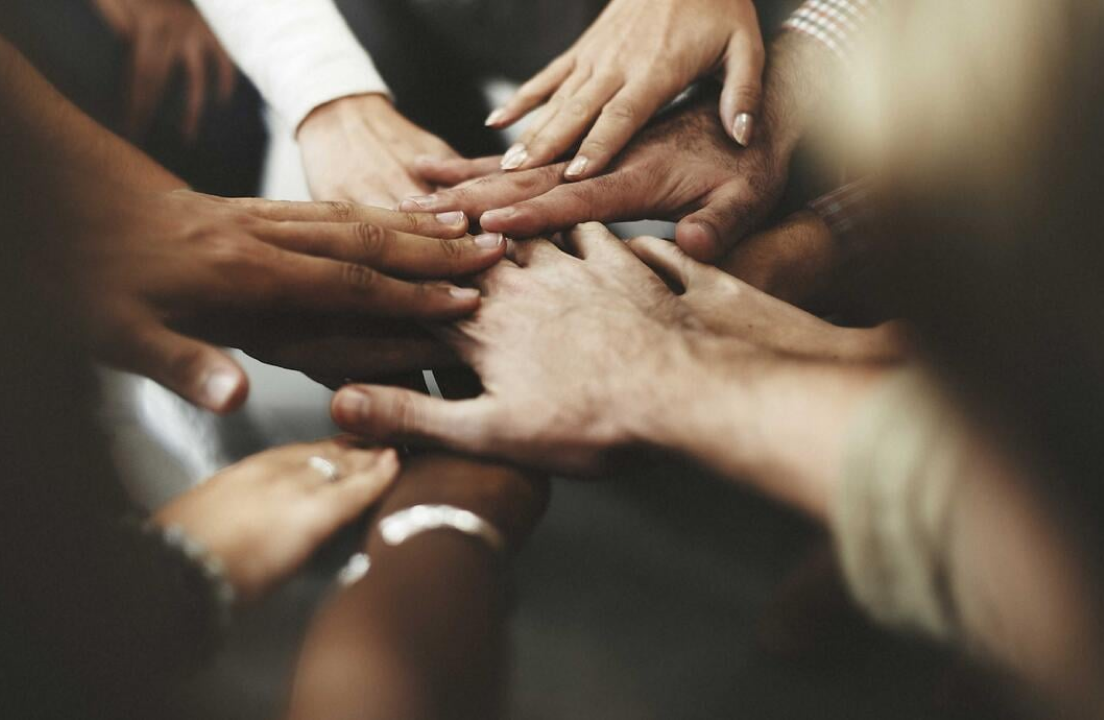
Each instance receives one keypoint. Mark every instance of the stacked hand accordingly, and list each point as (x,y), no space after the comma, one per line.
(159,274)
(637,57)
(585,354)
(164,36)
(265,516)
(683,168)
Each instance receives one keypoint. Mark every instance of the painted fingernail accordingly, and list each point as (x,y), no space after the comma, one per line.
(350,406)
(219,388)
(578,166)
(742,128)
(493,215)
(489,241)
(419,202)
(450,218)
(464,293)
(514,157)
(495,117)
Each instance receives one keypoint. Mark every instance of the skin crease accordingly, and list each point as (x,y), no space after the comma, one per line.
(361,149)
(164,36)
(613,80)
(531,334)
(232,515)
(683,168)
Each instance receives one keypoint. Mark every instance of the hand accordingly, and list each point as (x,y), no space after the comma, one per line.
(361,149)
(634,59)
(559,393)
(265,516)
(158,275)
(164,35)
(684,168)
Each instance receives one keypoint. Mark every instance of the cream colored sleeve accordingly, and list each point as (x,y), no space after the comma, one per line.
(893,518)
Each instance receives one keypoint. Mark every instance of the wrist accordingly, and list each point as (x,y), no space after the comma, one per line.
(799,76)
(341,111)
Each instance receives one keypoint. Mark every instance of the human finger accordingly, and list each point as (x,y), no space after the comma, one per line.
(393,415)
(448,172)
(388,250)
(532,93)
(605,198)
(496,191)
(720,223)
(441,225)
(150,65)
(517,157)
(356,490)
(666,259)
(620,120)
(743,87)
(571,119)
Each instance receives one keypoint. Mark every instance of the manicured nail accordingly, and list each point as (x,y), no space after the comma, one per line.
(578,166)
(514,157)
(742,128)
(350,406)
(489,241)
(464,293)
(495,117)
(219,388)
(419,202)
(493,215)
(450,218)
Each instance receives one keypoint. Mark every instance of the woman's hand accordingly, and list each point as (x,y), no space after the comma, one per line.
(361,149)
(582,356)
(165,35)
(265,516)
(638,56)
(157,276)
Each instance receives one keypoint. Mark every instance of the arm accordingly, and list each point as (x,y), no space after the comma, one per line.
(422,635)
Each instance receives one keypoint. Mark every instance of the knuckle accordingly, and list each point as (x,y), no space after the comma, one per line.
(453,249)
(359,278)
(371,239)
(577,107)
(621,111)
(340,210)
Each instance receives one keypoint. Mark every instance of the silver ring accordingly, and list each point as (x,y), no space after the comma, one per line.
(327,469)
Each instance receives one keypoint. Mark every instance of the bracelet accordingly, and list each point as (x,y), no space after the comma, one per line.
(402,525)
(222,594)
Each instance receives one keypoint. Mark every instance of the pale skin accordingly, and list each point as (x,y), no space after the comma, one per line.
(361,149)
(683,168)
(778,421)
(163,36)
(611,82)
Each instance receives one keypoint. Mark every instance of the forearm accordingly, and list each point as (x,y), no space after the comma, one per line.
(779,424)
(300,54)
(421,636)
(49,138)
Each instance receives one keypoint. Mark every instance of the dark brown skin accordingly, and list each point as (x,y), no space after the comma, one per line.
(421,637)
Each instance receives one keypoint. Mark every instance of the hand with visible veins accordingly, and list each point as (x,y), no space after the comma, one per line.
(613,80)
(558,393)
(683,168)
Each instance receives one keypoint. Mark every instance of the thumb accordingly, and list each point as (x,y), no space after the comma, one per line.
(200,373)
(710,232)
(743,87)
(393,415)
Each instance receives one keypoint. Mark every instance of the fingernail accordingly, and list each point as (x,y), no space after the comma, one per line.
(514,157)
(350,406)
(219,389)
(502,214)
(742,128)
(495,117)
(489,240)
(464,293)
(578,166)
(450,218)
(419,202)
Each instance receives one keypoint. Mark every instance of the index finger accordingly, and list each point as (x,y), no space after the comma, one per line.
(620,119)
(495,191)
(441,225)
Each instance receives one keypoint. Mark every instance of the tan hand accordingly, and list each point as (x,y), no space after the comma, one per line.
(638,56)
(165,35)
(361,149)
(265,516)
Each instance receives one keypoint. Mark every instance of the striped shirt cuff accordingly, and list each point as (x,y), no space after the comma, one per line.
(837,24)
